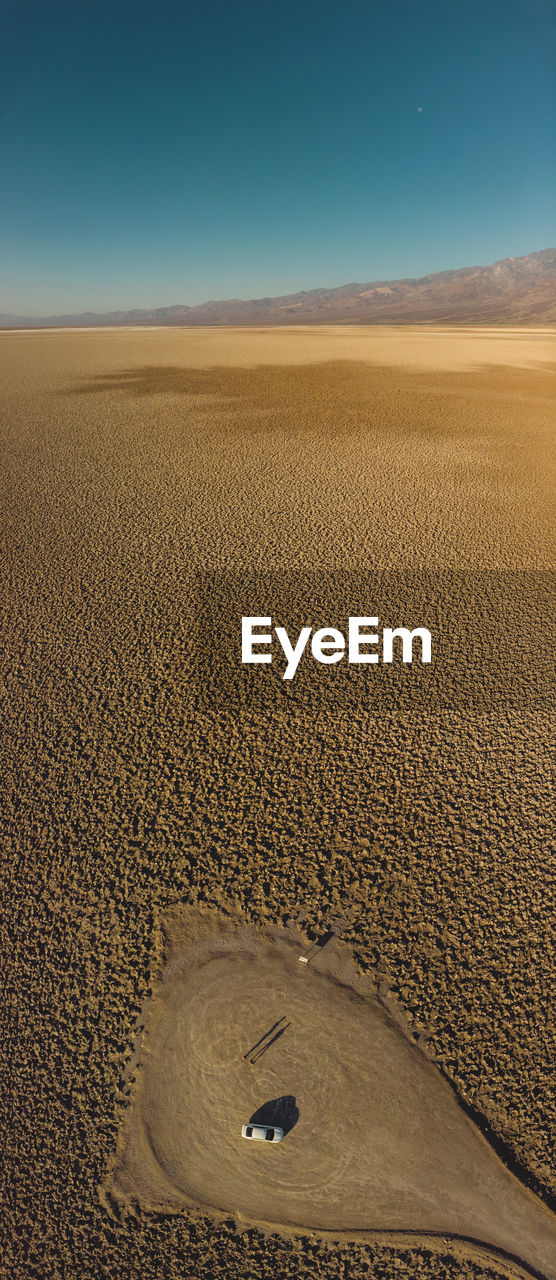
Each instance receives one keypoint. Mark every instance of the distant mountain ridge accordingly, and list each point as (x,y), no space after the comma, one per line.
(511,291)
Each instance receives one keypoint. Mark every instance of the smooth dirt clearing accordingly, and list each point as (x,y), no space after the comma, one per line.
(378,1140)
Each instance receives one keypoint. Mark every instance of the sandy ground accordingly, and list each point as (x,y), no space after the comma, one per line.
(374,1136)
(404,346)
(138,470)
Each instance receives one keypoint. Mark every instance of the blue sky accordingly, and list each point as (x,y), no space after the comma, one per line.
(175,152)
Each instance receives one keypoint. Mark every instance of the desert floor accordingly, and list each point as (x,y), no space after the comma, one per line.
(149,476)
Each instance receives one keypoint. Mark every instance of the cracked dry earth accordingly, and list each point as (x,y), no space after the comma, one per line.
(139,469)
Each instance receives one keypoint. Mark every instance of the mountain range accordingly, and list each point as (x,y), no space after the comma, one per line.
(511,291)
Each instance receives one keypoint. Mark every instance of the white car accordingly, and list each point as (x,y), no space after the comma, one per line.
(262,1132)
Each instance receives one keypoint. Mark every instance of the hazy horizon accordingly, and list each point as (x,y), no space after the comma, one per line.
(160,305)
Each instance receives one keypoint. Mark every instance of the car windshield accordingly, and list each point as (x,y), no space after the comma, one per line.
(269,1135)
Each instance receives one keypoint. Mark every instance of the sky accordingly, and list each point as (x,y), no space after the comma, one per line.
(173,152)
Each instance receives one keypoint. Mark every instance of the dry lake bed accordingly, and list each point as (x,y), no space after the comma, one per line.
(157,485)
